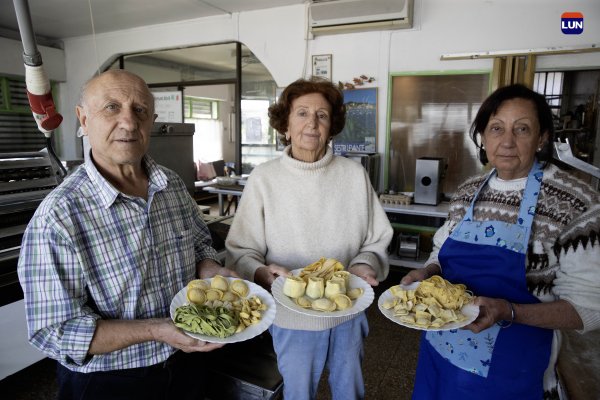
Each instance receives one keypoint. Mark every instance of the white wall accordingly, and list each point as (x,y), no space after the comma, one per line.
(12,60)
(459,26)
(278,38)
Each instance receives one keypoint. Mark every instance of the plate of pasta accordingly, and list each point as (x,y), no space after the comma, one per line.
(433,304)
(222,309)
(335,293)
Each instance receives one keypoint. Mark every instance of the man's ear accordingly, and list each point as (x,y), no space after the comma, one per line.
(155,116)
(81,116)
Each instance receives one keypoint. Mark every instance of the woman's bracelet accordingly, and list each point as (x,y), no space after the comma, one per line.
(504,323)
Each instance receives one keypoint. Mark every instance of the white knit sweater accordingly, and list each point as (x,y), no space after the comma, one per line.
(292,213)
(563,258)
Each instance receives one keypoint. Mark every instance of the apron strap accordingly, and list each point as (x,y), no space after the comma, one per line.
(530,195)
(469,214)
(528,202)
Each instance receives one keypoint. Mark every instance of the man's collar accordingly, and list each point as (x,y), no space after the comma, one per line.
(108,193)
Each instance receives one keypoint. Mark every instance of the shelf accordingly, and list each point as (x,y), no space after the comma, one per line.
(437,211)
(415,218)
(396,261)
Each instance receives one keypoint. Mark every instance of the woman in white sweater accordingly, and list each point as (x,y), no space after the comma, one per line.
(298,208)
(525,239)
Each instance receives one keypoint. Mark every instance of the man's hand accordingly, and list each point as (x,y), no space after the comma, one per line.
(113,335)
(365,272)
(208,268)
(167,332)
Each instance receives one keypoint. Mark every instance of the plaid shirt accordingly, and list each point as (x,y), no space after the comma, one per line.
(91,252)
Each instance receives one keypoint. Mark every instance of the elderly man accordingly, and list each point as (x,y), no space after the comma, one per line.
(107,251)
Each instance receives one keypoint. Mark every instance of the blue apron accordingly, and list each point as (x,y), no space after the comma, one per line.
(497,363)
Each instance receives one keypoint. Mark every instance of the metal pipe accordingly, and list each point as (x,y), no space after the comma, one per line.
(562,152)
(31,55)
(39,91)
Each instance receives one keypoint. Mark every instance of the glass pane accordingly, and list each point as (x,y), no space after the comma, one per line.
(258,92)
(430,117)
(184,65)
(536,83)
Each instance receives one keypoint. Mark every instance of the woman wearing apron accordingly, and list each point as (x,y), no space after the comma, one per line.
(507,238)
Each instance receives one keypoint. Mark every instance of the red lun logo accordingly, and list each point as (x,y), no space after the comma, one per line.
(571,23)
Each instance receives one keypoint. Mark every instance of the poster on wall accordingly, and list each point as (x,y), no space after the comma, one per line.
(321,66)
(168,106)
(360,131)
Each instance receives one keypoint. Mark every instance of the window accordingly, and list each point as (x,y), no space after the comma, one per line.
(204,114)
(430,116)
(18,129)
(550,84)
(199,108)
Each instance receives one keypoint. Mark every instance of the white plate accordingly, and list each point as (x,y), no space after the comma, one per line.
(266,320)
(358,305)
(469,310)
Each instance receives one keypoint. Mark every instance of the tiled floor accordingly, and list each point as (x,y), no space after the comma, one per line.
(389,364)
(390,354)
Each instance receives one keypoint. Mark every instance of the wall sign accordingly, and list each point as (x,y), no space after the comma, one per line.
(360,131)
(168,106)
(321,66)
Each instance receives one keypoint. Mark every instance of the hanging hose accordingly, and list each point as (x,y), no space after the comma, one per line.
(55,157)
(39,91)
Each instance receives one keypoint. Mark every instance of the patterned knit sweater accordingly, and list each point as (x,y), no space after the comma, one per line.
(563,257)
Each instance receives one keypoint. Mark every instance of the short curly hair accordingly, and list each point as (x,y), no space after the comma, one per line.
(279,112)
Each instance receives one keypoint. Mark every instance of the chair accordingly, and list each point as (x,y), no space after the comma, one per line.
(219,166)
(208,171)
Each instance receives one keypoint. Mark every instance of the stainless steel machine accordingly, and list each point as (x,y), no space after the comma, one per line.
(25,179)
(172,145)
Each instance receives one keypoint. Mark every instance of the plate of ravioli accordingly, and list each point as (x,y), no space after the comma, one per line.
(433,304)
(222,309)
(323,289)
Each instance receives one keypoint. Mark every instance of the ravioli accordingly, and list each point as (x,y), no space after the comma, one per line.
(322,286)
(218,308)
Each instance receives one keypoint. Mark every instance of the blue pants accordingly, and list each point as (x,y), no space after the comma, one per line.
(302,355)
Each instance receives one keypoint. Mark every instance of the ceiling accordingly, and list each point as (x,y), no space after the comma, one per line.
(59,19)
(54,20)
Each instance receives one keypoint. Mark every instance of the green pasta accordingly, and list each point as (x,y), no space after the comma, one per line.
(220,322)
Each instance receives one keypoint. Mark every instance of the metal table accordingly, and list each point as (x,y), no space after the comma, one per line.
(222,191)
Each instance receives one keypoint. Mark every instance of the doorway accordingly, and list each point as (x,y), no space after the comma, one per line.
(211,109)
(245,128)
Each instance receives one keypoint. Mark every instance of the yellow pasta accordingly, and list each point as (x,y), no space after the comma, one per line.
(324,268)
(433,304)
(294,287)
(219,295)
(322,286)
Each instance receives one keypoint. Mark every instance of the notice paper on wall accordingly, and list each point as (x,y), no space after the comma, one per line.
(168,106)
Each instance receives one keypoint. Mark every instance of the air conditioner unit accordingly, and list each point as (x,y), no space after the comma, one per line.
(344,16)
